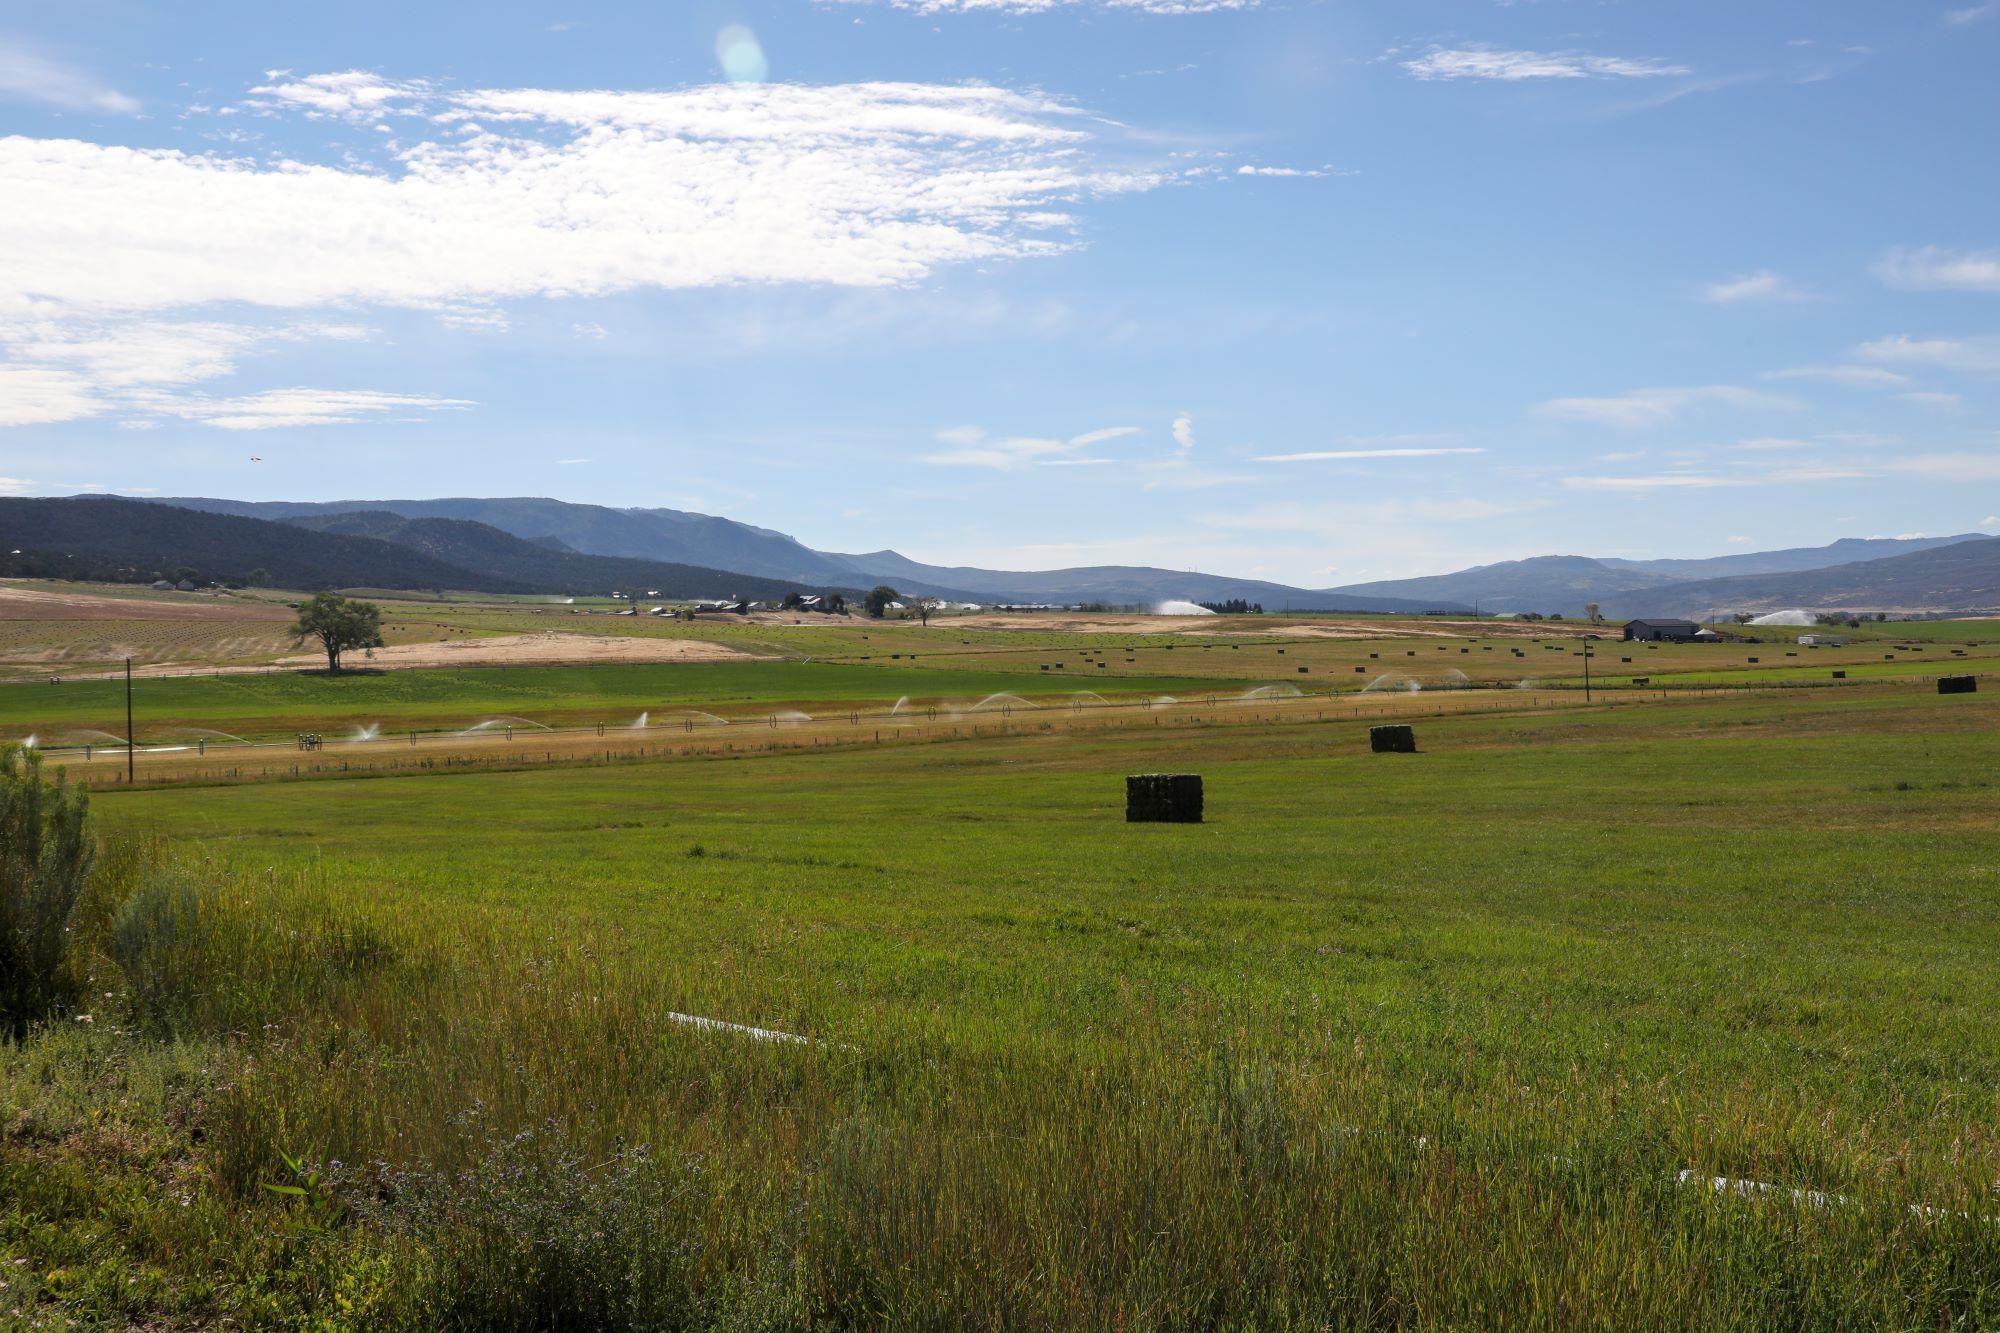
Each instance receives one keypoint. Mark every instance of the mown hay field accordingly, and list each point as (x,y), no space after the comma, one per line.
(1453,1039)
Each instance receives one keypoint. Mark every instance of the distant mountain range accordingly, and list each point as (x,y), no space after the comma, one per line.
(720,543)
(552,546)
(120,540)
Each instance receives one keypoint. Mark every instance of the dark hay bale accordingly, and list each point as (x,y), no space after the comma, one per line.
(1958,684)
(1840,675)
(1163,798)
(1393,739)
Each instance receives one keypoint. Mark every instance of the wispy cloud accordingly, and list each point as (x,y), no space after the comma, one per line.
(519,193)
(1248,169)
(275,409)
(1047,6)
(1971,13)
(1963,467)
(1979,356)
(1353,455)
(1486,62)
(1661,481)
(1865,377)
(1931,269)
(1642,408)
(1183,431)
(28,77)
(1762,286)
(972,446)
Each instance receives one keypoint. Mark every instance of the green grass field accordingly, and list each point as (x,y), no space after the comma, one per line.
(1412,1041)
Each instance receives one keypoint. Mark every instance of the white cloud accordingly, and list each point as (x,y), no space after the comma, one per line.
(1643,408)
(1657,482)
(1761,286)
(1931,269)
(28,77)
(1485,62)
(33,396)
(499,195)
(1348,455)
(1943,402)
(972,446)
(1047,6)
(1183,430)
(1971,13)
(278,408)
(1951,467)
(1871,377)
(1973,355)
(1771,443)
(1248,170)
(349,95)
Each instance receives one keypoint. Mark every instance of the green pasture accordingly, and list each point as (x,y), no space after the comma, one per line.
(1412,1041)
(278,703)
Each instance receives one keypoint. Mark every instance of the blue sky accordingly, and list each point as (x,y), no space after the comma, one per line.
(1316,292)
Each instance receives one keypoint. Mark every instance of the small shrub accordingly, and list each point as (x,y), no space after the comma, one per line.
(46,850)
(537,1233)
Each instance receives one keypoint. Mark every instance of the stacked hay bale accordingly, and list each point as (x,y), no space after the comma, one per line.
(1163,798)
(1393,739)
(1958,684)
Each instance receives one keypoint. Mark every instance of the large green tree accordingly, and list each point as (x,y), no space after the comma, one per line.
(879,598)
(339,624)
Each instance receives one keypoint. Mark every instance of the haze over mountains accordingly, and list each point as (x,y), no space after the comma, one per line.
(551,546)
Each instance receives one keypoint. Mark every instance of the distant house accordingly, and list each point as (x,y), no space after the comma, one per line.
(163,585)
(185,585)
(1661,631)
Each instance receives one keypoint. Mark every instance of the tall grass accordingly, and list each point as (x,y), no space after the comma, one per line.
(1336,1060)
(496,1114)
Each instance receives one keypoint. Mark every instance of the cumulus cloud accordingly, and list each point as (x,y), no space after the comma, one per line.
(497,195)
(1486,62)
(1642,408)
(1931,269)
(1183,430)
(28,77)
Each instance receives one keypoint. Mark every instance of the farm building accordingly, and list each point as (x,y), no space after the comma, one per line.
(1662,631)
(1822,641)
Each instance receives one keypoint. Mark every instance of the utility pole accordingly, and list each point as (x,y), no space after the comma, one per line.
(1586,671)
(129,759)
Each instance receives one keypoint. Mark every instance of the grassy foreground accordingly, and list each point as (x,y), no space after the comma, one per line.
(1418,1041)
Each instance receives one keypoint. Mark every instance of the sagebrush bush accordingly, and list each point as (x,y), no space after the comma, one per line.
(46,851)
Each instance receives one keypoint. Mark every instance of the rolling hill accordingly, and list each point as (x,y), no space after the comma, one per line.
(703,540)
(1962,576)
(116,539)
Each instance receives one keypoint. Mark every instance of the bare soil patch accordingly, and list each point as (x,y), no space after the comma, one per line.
(552,648)
(18,603)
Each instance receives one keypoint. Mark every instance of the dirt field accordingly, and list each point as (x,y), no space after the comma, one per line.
(18,603)
(547,649)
